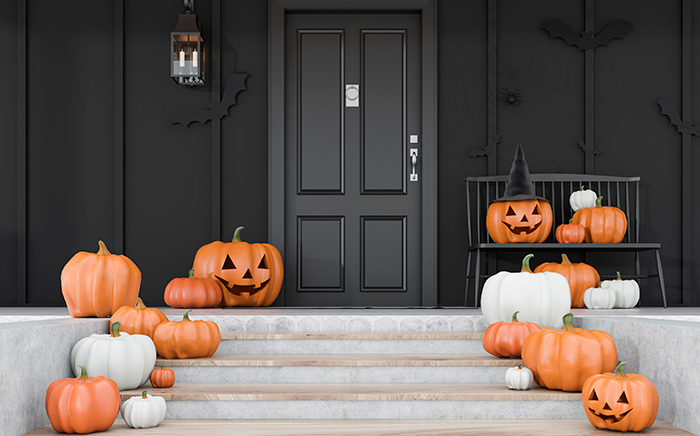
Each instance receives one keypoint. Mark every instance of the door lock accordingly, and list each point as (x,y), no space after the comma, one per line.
(413,153)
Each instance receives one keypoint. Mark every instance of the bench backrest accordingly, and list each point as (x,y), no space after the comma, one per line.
(621,192)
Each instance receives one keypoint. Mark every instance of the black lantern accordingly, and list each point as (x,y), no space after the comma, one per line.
(187,49)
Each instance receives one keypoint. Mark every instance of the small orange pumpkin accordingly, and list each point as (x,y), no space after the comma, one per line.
(192,292)
(505,339)
(186,339)
(162,377)
(580,276)
(604,224)
(619,401)
(82,404)
(248,274)
(570,233)
(564,359)
(97,284)
(523,221)
(139,320)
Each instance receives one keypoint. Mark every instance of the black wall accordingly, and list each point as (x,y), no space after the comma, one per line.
(68,193)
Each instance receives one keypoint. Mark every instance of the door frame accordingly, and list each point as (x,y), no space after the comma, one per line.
(276,216)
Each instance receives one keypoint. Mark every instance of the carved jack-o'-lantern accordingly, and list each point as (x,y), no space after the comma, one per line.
(528,221)
(248,274)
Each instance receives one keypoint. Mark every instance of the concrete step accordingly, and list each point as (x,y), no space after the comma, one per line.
(341,368)
(364,401)
(343,342)
(380,427)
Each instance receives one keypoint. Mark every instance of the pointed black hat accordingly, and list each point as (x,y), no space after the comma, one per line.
(520,186)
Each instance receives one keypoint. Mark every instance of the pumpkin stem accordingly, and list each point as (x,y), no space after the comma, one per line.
(520,366)
(526,263)
(571,220)
(515,316)
(583,187)
(162,366)
(83,373)
(139,304)
(618,276)
(191,273)
(237,235)
(565,260)
(619,372)
(103,249)
(185,317)
(568,327)
(599,201)
(114,329)
(144,394)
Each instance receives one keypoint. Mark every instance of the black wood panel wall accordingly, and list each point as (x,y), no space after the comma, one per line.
(88,152)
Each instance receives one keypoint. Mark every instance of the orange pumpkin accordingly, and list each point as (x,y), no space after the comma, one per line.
(580,276)
(192,292)
(248,274)
(97,284)
(139,320)
(186,339)
(526,221)
(570,233)
(604,224)
(619,401)
(82,404)
(505,339)
(162,377)
(564,359)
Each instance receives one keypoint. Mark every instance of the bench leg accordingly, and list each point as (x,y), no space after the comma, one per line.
(466,285)
(661,277)
(477,277)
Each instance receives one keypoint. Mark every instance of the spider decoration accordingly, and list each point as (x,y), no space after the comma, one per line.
(513,98)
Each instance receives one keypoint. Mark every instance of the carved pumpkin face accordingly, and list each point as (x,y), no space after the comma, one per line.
(528,221)
(246,276)
(610,409)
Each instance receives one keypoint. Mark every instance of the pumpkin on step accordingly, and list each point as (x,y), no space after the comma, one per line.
(505,339)
(187,339)
(248,274)
(519,378)
(604,224)
(626,291)
(192,292)
(580,276)
(139,320)
(162,377)
(144,411)
(599,298)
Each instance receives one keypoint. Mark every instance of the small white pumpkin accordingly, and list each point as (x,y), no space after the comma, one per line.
(543,298)
(144,411)
(582,199)
(126,359)
(519,378)
(626,291)
(599,298)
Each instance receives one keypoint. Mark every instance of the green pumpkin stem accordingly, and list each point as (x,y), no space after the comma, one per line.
(571,220)
(83,373)
(583,187)
(619,371)
(162,366)
(191,273)
(515,316)
(114,329)
(618,276)
(568,327)
(103,249)
(237,235)
(144,395)
(599,201)
(186,317)
(520,366)
(526,263)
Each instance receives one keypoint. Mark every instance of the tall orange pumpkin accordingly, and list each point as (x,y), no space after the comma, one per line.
(139,320)
(564,359)
(97,284)
(82,404)
(187,339)
(580,276)
(248,274)
(505,339)
(604,224)
(523,221)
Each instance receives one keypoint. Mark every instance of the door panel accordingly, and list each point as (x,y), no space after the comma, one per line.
(352,217)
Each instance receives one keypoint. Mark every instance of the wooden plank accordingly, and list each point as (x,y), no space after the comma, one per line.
(344,360)
(492,114)
(589,90)
(118,126)
(356,335)
(687,168)
(352,392)
(22,152)
(216,122)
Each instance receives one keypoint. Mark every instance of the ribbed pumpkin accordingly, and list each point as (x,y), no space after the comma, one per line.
(521,221)
(97,284)
(570,233)
(580,276)
(564,359)
(187,339)
(139,320)
(248,274)
(505,339)
(604,224)
(192,292)
(162,377)
(82,404)
(599,298)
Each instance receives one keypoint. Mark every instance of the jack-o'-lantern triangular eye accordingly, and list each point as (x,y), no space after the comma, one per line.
(623,399)
(536,211)
(228,263)
(263,263)
(593,396)
(510,211)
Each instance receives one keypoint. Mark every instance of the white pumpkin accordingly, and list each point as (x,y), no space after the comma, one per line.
(599,298)
(144,411)
(543,298)
(582,199)
(126,359)
(519,378)
(626,291)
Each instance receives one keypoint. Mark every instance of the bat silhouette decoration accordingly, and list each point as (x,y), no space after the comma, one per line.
(589,150)
(669,109)
(188,115)
(488,150)
(586,40)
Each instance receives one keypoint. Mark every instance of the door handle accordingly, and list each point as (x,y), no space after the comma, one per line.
(413,154)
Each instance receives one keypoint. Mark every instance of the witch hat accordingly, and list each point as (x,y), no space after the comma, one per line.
(520,186)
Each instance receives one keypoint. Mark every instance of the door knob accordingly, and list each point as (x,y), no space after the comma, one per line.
(413,153)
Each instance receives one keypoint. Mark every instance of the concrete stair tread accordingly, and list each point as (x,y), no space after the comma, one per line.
(373,427)
(352,335)
(352,392)
(393,360)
